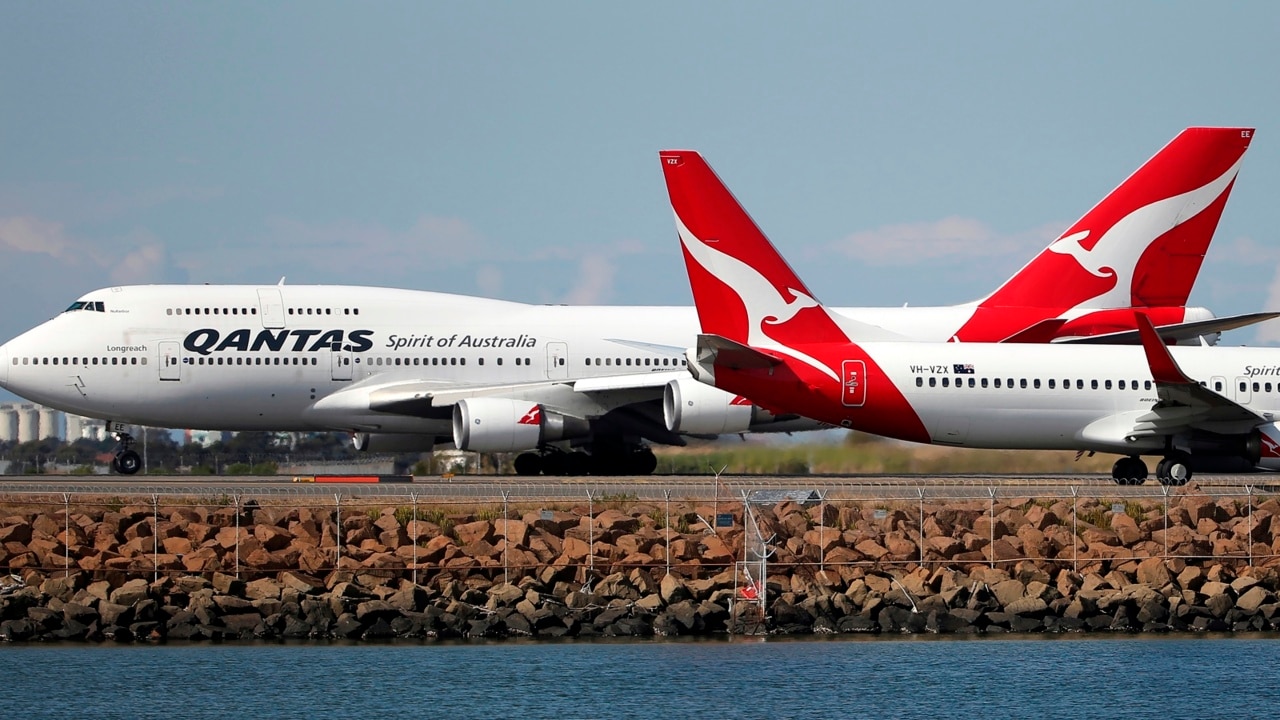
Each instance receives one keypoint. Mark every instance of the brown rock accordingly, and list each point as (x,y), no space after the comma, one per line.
(945,547)
(177,546)
(616,521)
(716,551)
(515,532)
(272,537)
(900,547)
(17,533)
(473,532)
(1153,572)
(872,549)
(824,538)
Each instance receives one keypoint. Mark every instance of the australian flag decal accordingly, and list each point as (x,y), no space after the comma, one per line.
(965,369)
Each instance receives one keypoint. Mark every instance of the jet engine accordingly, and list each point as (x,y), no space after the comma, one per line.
(503,425)
(689,406)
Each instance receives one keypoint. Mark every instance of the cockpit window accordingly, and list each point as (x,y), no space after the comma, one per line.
(92,305)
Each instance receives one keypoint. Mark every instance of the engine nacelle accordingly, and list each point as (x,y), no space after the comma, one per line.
(392,442)
(1263,447)
(689,406)
(503,425)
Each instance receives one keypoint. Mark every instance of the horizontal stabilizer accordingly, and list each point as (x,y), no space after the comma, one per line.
(734,355)
(1176,332)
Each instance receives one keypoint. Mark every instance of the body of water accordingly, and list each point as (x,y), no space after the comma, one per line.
(1122,677)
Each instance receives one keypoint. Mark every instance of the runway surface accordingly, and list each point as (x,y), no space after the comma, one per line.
(758,488)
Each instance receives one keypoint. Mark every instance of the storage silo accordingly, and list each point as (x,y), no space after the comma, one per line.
(51,423)
(28,423)
(8,422)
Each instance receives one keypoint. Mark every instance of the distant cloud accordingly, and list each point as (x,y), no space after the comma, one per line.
(328,252)
(489,280)
(955,236)
(34,235)
(147,263)
(594,284)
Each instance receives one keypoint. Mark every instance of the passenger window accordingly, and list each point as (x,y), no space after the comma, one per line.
(1036,383)
(1106,385)
(946,382)
(1255,387)
(933,382)
(984,382)
(1022,383)
(971,382)
(997,383)
(1242,386)
(919,381)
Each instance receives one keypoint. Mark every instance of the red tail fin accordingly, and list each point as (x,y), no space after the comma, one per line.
(1142,246)
(738,279)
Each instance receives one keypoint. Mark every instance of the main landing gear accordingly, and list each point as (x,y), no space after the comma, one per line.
(126,461)
(604,460)
(1174,469)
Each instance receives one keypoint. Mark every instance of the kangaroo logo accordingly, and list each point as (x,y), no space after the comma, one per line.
(1116,252)
(533,417)
(765,305)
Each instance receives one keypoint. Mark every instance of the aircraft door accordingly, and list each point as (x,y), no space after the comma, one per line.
(1241,387)
(170,360)
(271,308)
(341,365)
(557,360)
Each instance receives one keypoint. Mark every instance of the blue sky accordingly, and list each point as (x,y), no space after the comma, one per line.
(510,149)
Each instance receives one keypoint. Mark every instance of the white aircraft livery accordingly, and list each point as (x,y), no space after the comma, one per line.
(579,389)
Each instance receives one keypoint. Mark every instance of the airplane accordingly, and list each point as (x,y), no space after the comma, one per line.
(574,389)
(767,338)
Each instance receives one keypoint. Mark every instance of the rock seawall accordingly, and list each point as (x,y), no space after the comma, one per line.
(150,573)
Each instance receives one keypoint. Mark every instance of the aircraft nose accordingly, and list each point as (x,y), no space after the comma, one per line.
(4,366)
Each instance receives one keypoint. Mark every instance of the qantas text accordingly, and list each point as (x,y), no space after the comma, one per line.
(207,340)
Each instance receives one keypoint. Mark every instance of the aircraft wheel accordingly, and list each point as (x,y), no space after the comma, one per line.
(127,462)
(528,464)
(1174,470)
(555,463)
(645,461)
(1129,471)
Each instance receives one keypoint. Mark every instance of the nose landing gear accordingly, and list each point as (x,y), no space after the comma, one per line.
(126,461)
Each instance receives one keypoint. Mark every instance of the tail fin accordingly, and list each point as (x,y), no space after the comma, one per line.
(744,290)
(731,264)
(1141,246)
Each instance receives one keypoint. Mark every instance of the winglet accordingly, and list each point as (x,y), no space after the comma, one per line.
(1164,369)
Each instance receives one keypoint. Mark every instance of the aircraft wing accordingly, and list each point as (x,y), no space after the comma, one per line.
(1184,403)
(1179,331)
(434,398)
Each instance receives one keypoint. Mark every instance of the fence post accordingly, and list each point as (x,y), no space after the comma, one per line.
(667,551)
(413,497)
(591,539)
(235,499)
(1249,539)
(992,525)
(920,492)
(66,546)
(337,504)
(155,536)
(1075,529)
(822,527)
(506,540)
(1165,490)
